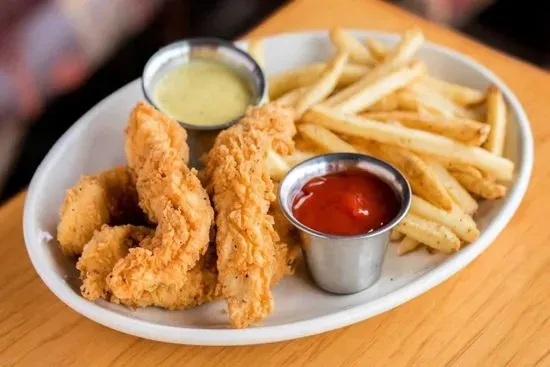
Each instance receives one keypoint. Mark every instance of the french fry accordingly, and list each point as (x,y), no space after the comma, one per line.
(459,222)
(406,245)
(432,234)
(351,74)
(397,58)
(418,141)
(325,139)
(256,49)
(419,174)
(306,145)
(377,49)
(418,95)
(384,86)
(466,131)
(323,86)
(346,43)
(386,104)
(286,81)
(496,118)
(477,183)
(459,194)
(297,157)
(292,79)
(290,98)
(396,236)
(459,94)
(276,165)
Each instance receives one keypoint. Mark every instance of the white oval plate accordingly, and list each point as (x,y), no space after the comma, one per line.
(95,142)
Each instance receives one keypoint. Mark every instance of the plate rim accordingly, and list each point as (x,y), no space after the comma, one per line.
(315,325)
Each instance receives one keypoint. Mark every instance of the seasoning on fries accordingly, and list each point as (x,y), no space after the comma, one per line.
(415,140)
(347,44)
(406,245)
(380,100)
(463,130)
(496,118)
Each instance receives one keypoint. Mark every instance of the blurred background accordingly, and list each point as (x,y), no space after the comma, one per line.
(58,58)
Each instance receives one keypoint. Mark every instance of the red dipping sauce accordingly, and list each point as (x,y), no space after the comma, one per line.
(346,203)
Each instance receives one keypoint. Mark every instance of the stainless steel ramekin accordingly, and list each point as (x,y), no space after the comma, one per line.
(213,49)
(344,264)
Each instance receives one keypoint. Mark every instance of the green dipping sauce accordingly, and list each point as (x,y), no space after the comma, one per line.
(202,93)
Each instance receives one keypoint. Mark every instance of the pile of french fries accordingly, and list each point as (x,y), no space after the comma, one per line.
(446,139)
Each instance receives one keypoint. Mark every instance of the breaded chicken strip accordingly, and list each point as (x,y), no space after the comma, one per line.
(110,244)
(199,286)
(172,196)
(242,193)
(109,197)
(161,131)
(287,249)
(100,254)
(277,122)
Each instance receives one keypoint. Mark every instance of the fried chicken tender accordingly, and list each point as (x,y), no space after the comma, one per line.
(242,192)
(199,286)
(288,249)
(275,121)
(109,197)
(158,130)
(172,196)
(100,254)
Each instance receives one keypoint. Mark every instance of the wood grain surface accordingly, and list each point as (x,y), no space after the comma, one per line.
(495,312)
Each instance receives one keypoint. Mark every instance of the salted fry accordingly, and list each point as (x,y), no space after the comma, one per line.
(419,174)
(386,104)
(297,157)
(256,49)
(322,87)
(418,96)
(496,118)
(377,49)
(325,139)
(290,98)
(466,131)
(386,85)
(459,94)
(440,135)
(292,79)
(418,141)
(477,183)
(396,236)
(459,194)
(432,234)
(459,222)
(348,44)
(276,165)
(406,245)
(397,58)
(351,74)
(286,81)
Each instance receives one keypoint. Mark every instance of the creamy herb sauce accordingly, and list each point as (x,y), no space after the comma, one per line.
(202,93)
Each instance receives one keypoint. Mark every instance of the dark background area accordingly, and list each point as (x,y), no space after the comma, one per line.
(520,28)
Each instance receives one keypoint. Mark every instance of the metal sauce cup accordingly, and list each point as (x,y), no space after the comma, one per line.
(344,264)
(201,138)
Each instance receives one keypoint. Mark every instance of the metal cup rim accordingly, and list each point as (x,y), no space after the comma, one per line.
(207,41)
(403,211)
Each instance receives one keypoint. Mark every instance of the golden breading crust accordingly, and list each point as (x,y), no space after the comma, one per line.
(100,254)
(242,193)
(109,197)
(172,196)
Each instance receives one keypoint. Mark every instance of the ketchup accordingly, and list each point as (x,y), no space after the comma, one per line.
(347,203)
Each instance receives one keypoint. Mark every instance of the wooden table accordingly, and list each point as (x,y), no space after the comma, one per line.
(496,311)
